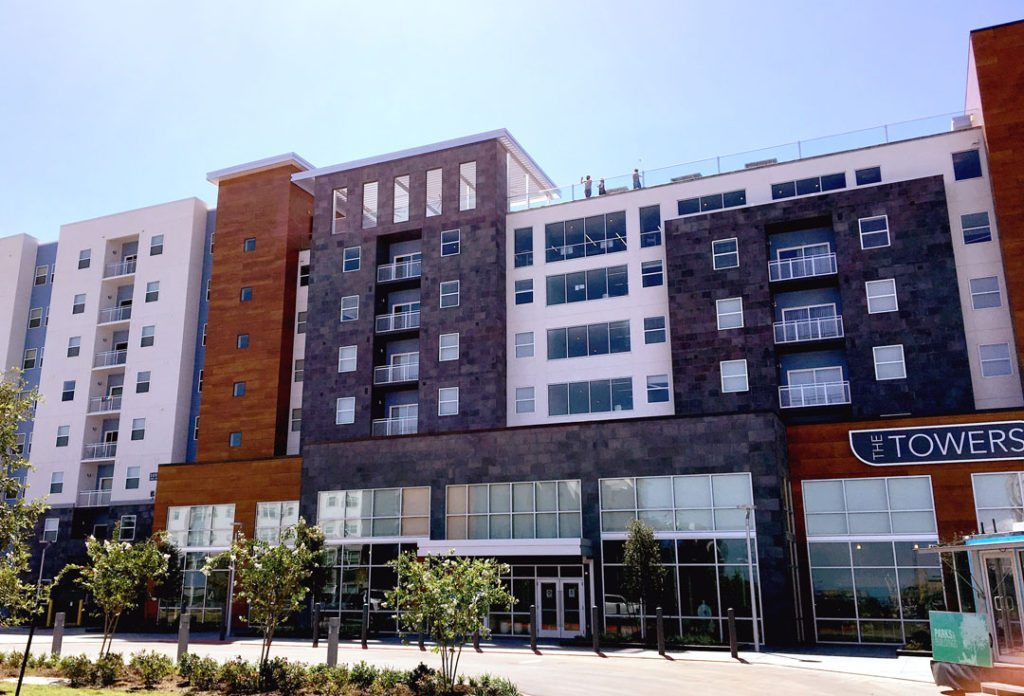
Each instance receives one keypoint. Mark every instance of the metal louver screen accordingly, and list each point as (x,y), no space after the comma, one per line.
(402,198)
(433,192)
(370,204)
(467,185)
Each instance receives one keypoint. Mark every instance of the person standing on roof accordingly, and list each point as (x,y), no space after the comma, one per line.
(586,185)
(636,179)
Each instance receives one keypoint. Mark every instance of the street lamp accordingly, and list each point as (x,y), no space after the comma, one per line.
(748,525)
(226,633)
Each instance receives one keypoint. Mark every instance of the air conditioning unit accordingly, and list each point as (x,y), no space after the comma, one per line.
(962,122)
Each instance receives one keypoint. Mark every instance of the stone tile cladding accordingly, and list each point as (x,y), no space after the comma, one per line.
(479,373)
(929,322)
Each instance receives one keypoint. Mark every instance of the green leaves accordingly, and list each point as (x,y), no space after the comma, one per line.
(643,572)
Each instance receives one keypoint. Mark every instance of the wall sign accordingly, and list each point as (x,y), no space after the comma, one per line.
(960,638)
(939,444)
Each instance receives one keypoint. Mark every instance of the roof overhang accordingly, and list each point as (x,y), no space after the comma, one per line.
(219,175)
(493,548)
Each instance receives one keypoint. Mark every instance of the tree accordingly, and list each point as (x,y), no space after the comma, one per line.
(117,576)
(643,572)
(17,517)
(451,597)
(273,578)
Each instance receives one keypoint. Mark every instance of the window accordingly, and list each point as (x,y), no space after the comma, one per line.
(74,346)
(734,376)
(63,435)
(871,175)
(350,260)
(715,201)
(340,206)
(369,205)
(450,293)
(299,370)
(300,323)
(730,313)
(595,284)
(56,483)
(525,400)
(995,359)
(208,290)
(523,247)
(689,503)
(874,232)
(138,428)
(78,306)
(593,339)
(238,389)
(249,244)
(35,317)
(213,238)
(985,292)
(467,185)
(651,273)
(29,359)
(525,510)
(448,347)
(41,273)
(304,275)
(132,476)
(573,239)
(148,336)
(199,383)
(448,401)
(200,525)
(156,245)
(68,391)
(235,439)
(598,396)
(976,228)
(19,445)
(350,308)
(345,410)
(84,258)
(50,528)
(881,296)
(657,389)
(524,291)
(889,363)
(401,212)
(204,333)
(803,187)
(654,330)
(275,519)
(433,192)
(524,345)
(296,420)
(966,165)
(380,512)
(153,291)
(245,295)
(195,428)
(725,253)
(242,341)
(451,242)
(126,528)
(347,358)
(650,226)
(142,383)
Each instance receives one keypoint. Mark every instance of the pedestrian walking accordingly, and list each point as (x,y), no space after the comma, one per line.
(586,185)
(636,179)
(600,188)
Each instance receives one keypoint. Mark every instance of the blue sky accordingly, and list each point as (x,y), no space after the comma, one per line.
(109,106)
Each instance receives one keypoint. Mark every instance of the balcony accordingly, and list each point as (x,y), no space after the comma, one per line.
(392,374)
(99,450)
(802,267)
(111,315)
(104,404)
(116,270)
(110,358)
(93,498)
(818,329)
(823,394)
(402,270)
(398,321)
(387,427)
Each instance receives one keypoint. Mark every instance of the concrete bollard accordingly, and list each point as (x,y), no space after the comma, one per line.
(316,625)
(661,631)
(58,633)
(733,646)
(423,647)
(184,625)
(366,624)
(333,626)
(594,631)
(533,627)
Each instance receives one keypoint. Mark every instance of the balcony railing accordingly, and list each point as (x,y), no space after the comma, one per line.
(818,329)
(110,358)
(113,270)
(399,271)
(104,404)
(384,427)
(99,450)
(803,267)
(112,314)
(93,498)
(389,374)
(824,394)
(398,321)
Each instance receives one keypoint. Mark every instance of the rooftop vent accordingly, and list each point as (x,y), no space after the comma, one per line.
(761,163)
(962,122)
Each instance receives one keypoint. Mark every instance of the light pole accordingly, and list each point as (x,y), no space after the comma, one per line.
(32,626)
(747,524)
(231,581)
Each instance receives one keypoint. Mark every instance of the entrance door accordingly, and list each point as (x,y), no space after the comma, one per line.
(1003,582)
(561,608)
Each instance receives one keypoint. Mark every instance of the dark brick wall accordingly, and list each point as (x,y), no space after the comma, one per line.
(929,322)
(754,442)
(479,319)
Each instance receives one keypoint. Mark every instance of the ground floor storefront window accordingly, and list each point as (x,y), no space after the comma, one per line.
(559,593)
(202,595)
(360,575)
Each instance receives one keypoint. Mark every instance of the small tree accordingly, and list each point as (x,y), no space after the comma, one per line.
(451,598)
(117,576)
(273,579)
(17,517)
(643,572)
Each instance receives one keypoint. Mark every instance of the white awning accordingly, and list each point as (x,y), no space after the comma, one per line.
(506,547)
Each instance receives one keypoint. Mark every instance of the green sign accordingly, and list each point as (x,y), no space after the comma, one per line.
(960,638)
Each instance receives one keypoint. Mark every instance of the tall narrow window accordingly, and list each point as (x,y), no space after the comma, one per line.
(242,341)
(56,483)
(300,322)
(238,389)
(650,226)
(63,435)
(433,192)
(131,478)
(448,347)
(28,361)
(347,358)
(245,295)
(78,305)
(350,259)
(448,401)
(449,293)
(451,242)
(41,273)
(68,392)
(235,439)
(35,317)
(84,258)
(350,308)
(369,204)
(74,346)
(345,410)
(296,420)
(340,207)
(142,382)
(156,245)
(523,247)
(299,371)
(50,528)
(467,185)
(401,198)
(148,336)
(249,244)
(138,428)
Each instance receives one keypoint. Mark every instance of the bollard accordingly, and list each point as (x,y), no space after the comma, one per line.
(733,648)
(184,625)
(422,646)
(81,608)
(661,631)
(316,625)
(533,627)
(58,633)
(595,634)
(333,626)
(476,641)
(366,624)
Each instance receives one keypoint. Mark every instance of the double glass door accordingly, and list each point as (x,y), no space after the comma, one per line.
(1003,583)
(561,608)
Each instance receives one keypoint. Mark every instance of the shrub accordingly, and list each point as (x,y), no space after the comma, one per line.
(486,685)
(151,668)
(327,681)
(186,666)
(388,682)
(109,669)
(281,675)
(77,669)
(239,677)
(11,660)
(203,673)
(362,674)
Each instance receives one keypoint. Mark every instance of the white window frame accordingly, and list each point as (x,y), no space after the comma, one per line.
(122,536)
(523,291)
(350,302)
(138,426)
(345,406)
(345,259)
(878,283)
(75,304)
(667,389)
(456,294)
(45,272)
(658,271)
(467,186)
(449,243)
(871,233)
(716,254)
(74,343)
(156,245)
(720,315)
(975,294)
(901,362)
(63,432)
(722,376)
(982,361)
(402,196)
(452,346)
(51,531)
(434,199)
(85,255)
(444,397)
(35,317)
(517,345)
(195,428)
(56,480)
(522,399)
(296,420)
(339,203)
(343,359)
(965,229)
(139,381)
(150,333)
(371,216)
(152,291)
(128,477)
